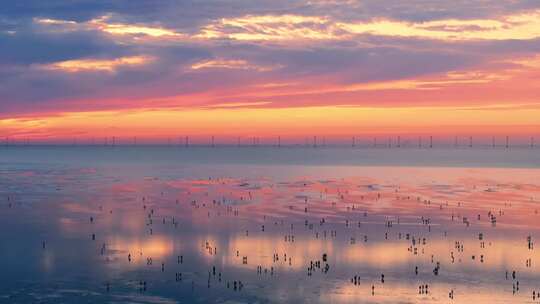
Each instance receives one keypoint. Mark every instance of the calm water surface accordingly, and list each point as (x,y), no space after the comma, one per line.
(269,225)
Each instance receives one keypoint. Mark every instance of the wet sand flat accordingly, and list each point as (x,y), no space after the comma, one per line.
(244,233)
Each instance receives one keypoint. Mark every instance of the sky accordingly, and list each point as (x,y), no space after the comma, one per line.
(289,68)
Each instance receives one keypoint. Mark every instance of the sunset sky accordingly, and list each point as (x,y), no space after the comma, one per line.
(163,69)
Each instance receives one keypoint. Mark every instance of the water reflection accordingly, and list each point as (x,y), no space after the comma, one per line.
(398,236)
(156,247)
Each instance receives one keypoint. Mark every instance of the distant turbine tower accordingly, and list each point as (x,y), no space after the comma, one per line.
(354,142)
(431,141)
(186,143)
(470,142)
(279,141)
(507,142)
(455,142)
(419,141)
(375,142)
(213,142)
(399,141)
(314,141)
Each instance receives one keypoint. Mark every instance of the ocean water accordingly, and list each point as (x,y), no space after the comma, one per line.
(158,224)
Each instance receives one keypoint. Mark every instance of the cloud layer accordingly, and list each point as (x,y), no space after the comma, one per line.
(61,57)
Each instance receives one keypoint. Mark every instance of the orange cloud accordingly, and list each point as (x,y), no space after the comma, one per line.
(520,26)
(269,27)
(129,29)
(104,24)
(108,65)
(230,64)
(299,28)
